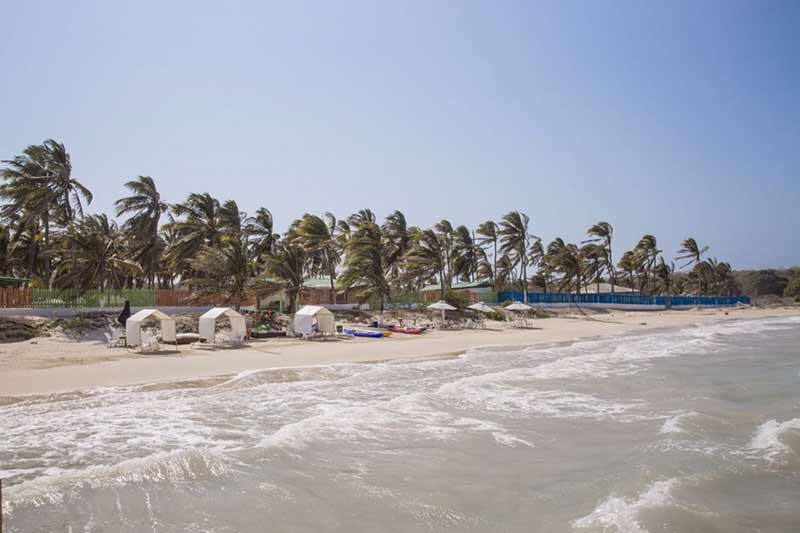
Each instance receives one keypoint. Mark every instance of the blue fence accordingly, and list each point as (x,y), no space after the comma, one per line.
(622,299)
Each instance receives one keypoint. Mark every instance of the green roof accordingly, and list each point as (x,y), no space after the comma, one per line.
(321,283)
(460,285)
(317,283)
(6,281)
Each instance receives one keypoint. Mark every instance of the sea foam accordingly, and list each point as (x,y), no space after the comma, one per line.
(617,513)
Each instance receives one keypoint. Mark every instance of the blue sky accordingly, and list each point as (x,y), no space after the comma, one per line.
(672,118)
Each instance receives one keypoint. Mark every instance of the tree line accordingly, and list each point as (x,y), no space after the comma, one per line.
(211,246)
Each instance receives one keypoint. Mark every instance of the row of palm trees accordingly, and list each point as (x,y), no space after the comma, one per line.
(211,246)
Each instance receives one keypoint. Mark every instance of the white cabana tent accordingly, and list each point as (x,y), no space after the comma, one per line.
(208,324)
(133,327)
(311,319)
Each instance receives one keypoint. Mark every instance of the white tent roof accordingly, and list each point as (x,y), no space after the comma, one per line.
(312,310)
(133,327)
(217,312)
(314,319)
(208,323)
(519,306)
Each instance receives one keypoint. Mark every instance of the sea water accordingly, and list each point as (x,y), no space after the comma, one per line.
(684,431)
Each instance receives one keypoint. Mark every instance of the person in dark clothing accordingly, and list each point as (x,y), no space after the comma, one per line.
(125,314)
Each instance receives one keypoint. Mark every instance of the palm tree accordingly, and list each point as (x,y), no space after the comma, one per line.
(595,255)
(145,208)
(318,242)
(444,230)
(692,252)
(365,264)
(602,233)
(95,255)
(398,238)
(426,259)
(285,270)
(646,251)
(260,231)
(663,273)
(505,271)
(466,254)
(725,283)
(629,264)
(571,264)
(225,270)
(515,238)
(40,183)
(198,223)
(361,217)
(489,234)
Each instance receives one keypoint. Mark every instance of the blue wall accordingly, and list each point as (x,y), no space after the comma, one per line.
(629,299)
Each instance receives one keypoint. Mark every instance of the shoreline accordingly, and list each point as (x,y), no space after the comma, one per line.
(46,366)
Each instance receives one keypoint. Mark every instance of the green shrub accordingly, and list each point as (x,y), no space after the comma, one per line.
(792,290)
(457,299)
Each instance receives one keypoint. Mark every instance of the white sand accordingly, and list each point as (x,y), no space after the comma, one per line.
(60,364)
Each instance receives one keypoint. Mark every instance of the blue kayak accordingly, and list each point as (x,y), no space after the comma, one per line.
(370,334)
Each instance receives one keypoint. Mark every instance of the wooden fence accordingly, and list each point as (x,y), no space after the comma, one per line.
(16,298)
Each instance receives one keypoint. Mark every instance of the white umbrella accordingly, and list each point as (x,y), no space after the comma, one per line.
(444,306)
(519,306)
(482,307)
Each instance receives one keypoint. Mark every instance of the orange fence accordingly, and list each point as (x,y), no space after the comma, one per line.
(12,297)
(187,298)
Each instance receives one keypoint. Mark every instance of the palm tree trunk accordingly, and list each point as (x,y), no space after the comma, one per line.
(332,274)
(494,259)
(597,273)
(524,279)
(46,217)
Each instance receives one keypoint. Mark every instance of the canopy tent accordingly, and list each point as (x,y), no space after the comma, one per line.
(133,326)
(443,306)
(481,307)
(208,324)
(311,319)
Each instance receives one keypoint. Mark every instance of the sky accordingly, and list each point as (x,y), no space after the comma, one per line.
(672,118)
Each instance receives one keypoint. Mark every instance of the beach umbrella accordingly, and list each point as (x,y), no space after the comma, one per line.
(519,306)
(443,306)
(481,307)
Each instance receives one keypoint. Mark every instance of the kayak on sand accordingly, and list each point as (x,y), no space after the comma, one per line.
(369,334)
(409,331)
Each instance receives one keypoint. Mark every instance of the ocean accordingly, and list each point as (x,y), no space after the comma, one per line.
(687,430)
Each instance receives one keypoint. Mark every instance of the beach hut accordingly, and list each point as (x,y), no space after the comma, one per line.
(313,319)
(208,324)
(133,326)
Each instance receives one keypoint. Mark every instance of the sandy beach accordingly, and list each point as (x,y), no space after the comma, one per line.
(58,364)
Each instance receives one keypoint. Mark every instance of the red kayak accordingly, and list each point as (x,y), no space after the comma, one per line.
(410,331)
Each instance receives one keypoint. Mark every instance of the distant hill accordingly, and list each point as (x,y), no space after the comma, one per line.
(769,282)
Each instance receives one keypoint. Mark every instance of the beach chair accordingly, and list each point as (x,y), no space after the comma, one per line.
(117,338)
